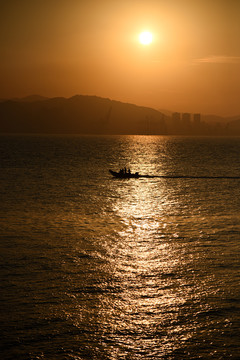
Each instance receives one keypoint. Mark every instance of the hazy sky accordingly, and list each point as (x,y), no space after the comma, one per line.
(68,47)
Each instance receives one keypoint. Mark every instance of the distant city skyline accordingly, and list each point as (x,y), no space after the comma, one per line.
(62,48)
(94,115)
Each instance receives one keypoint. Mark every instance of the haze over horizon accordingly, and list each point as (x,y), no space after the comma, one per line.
(63,48)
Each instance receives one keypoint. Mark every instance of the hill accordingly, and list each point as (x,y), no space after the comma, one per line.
(31,98)
(78,114)
(83,114)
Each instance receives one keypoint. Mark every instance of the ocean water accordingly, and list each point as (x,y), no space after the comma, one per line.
(94,267)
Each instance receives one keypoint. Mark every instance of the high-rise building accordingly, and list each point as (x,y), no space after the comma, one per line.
(196,118)
(186,119)
(176,116)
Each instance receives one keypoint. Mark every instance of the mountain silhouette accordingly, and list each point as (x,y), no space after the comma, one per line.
(83,114)
(78,114)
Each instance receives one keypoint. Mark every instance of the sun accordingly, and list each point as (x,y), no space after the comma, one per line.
(145,38)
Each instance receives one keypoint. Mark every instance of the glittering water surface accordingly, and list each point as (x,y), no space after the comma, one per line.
(101,268)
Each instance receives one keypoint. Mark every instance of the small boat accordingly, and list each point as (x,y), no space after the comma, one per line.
(124,175)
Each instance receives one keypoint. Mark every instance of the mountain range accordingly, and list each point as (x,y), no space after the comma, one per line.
(95,115)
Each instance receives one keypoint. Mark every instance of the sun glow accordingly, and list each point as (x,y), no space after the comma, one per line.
(145,38)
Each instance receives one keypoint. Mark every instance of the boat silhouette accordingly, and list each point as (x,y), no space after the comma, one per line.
(124,174)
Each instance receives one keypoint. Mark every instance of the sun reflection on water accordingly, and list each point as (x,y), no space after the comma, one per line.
(145,261)
(143,154)
(139,283)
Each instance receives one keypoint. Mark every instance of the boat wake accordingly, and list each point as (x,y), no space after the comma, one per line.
(188,177)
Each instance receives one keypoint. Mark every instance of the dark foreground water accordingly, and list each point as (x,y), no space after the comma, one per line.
(99,268)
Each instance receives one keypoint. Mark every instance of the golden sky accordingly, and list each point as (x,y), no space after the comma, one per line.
(68,47)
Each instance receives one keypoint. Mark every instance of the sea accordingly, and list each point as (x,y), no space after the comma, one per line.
(95,267)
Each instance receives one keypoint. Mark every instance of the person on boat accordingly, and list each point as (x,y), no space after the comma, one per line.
(129,171)
(125,170)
